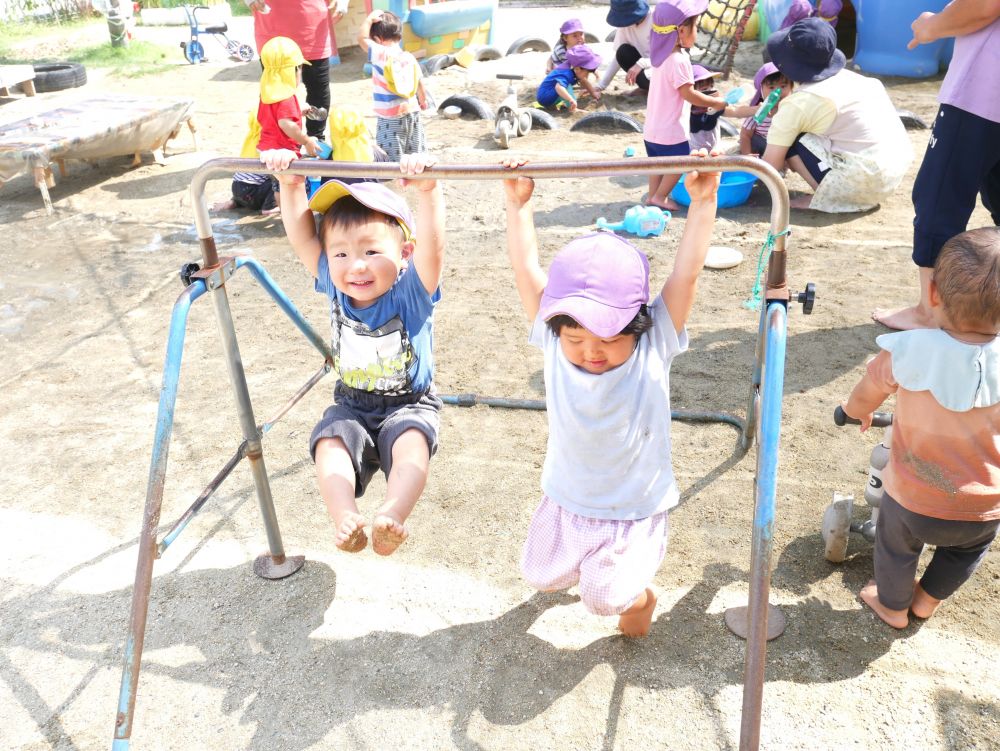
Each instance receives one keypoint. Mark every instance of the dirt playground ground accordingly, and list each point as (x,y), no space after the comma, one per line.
(441,646)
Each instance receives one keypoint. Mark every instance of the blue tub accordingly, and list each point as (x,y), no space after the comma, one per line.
(883,33)
(733,191)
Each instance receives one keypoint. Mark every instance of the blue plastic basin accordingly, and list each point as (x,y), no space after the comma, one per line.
(733,191)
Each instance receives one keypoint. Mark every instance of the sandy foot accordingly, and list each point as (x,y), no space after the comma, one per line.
(923,605)
(895,618)
(351,537)
(903,319)
(387,534)
(635,621)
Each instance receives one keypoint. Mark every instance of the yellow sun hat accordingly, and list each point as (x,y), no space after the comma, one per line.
(280,56)
(349,136)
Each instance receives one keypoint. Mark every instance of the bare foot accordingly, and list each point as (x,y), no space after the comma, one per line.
(895,618)
(387,534)
(668,204)
(923,605)
(801,202)
(351,537)
(224,205)
(903,319)
(270,212)
(635,621)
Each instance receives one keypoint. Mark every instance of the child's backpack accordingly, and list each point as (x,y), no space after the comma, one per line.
(402,74)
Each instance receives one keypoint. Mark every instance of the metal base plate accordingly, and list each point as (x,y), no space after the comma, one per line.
(265,567)
(736,621)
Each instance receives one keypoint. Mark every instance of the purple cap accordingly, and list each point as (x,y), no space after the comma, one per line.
(667,16)
(701,72)
(828,10)
(375,196)
(582,56)
(573,24)
(598,280)
(765,70)
(798,10)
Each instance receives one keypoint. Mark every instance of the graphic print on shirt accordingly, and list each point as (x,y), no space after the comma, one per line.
(374,360)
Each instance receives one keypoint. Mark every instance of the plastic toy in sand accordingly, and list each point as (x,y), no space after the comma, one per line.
(642,221)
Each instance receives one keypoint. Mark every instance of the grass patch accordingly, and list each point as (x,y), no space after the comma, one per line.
(77,41)
(138,59)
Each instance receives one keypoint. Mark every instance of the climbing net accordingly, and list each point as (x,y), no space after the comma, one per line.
(722,26)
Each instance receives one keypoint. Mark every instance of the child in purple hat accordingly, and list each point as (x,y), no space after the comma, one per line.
(381,273)
(672,91)
(607,478)
(557,87)
(570,35)
(753,135)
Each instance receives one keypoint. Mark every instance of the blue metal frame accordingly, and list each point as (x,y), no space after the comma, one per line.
(763,410)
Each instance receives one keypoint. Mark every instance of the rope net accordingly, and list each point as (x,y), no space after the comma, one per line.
(721,28)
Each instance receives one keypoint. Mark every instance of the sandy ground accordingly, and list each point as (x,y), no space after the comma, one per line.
(442,645)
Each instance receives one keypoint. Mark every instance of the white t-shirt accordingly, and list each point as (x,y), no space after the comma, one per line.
(608,454)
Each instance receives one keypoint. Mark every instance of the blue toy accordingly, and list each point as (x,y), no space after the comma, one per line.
(640,220)
(325,150)
(194,52)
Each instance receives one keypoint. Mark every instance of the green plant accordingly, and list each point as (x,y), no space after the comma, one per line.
(137,59)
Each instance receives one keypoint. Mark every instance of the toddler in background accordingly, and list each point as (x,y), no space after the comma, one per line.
(570,35)
(607,478)
(580,66)
(279,113)
(705,129)
(942,481)
(753,135)
(672,91)
(827,10)
(398,130)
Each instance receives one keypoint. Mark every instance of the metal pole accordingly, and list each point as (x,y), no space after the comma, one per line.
(151,516)
(758,609)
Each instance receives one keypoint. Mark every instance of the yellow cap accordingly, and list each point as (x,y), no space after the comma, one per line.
(279,56)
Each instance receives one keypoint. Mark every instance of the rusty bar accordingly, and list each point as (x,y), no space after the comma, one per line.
(588,168)
(151,514)
(244,408)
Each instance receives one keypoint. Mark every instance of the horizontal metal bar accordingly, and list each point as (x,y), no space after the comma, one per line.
(583,168)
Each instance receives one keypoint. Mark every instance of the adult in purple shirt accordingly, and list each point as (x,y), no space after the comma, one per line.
(963,152)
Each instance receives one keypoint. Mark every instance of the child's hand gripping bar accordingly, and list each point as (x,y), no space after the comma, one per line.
(879,419)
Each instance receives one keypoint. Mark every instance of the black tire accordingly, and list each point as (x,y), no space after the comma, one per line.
(529,44)
(469,105)
(589,38)
(488,53)
(433,64)
(728,128)
(911,121)
(59,76)
(542,119)
(608,120)
(611,36)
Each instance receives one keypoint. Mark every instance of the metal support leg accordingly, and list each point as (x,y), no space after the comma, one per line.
(151,516)
(760,616)
(272,565)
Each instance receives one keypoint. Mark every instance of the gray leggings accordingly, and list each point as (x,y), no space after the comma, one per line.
(900,536)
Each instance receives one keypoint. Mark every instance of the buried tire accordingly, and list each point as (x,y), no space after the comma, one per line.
(528,44)
(589,38)
(488,53)
(469,105)
(433,64)
(59,76)
(542,119)
(608,121)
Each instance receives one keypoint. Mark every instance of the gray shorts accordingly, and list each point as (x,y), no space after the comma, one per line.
(369,425)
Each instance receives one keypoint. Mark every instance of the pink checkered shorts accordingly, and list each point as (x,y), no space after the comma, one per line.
(613,560)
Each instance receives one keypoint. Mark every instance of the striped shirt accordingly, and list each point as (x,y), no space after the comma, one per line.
(386,104)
